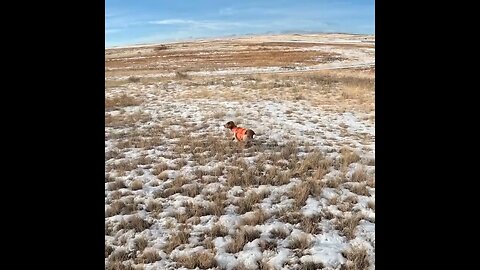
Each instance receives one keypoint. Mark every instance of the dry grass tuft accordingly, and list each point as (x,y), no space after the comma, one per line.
(247,203)
(176,239)
(311,224)
(134,223)
(348,225)
(140,243)
(154,206)
(175,187)
(159,168)
(136,184)
(359,175)
(118,255)
(243,236)
(115,208)
(359,189)
(357,259)
(218,231)
(202,260)
(309,164)
(279,233)
(149,255)
(192,190)
(258,217)
(300,242)
(347,157)
(118,184)
(267,244)
(301,192)
(311,266)
(121,101)
(371,204)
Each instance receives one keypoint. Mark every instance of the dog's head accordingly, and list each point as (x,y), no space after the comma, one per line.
(229,125)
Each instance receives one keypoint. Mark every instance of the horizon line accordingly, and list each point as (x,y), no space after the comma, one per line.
(173,41)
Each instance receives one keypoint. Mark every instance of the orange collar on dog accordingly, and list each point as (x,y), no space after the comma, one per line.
(239,132)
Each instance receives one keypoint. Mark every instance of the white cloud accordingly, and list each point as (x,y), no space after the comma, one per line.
(213,25)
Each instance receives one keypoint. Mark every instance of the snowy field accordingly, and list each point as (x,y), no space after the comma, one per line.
(180,195)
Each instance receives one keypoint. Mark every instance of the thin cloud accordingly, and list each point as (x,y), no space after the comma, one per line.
(214,25)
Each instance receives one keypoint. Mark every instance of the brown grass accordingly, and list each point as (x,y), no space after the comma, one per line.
(289,150)
(359,175)
(348,225)
(347,157)
(133,79)
(118,255)
(279,233)
(357,259)
(311,266)
(149,255)
(345,207)
(371,204)
(118,265)
(288,216)
(247,203)
(163,176)
(175,187)
(359,189)
(258,217)
(136,184)
(118,184)
(310,224)
(134,223)
(300,242)
(267,244)
(237,177)
(192,190)
(337,181)
(274,176)
(159,168)
(202,260)
(310,163)
(122,166)
(130,120)
(115,208)
(243,236)
(218,231)
(176,239)
(154,206)
(198,210)
(160,47)
(301,192)
(121,101)
(371,182)
(181,75)
(140,243)
(108,250)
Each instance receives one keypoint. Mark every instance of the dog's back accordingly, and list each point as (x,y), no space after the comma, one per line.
(241,134)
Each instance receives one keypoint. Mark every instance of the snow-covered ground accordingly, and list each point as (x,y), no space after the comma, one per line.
(180,195)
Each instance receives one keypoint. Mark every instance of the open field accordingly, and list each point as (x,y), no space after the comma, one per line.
(180,195)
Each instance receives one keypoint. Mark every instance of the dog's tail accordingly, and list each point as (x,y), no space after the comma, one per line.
(250,133)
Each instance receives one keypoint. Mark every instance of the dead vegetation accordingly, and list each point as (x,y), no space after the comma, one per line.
(357,259)
(123,100)
(172,169)
(202,260)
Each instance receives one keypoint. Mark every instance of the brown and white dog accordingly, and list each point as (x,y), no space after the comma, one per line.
(239,133)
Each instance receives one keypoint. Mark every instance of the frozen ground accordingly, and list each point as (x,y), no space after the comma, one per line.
(180,195)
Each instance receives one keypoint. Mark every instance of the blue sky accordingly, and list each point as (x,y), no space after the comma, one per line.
(129,22)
